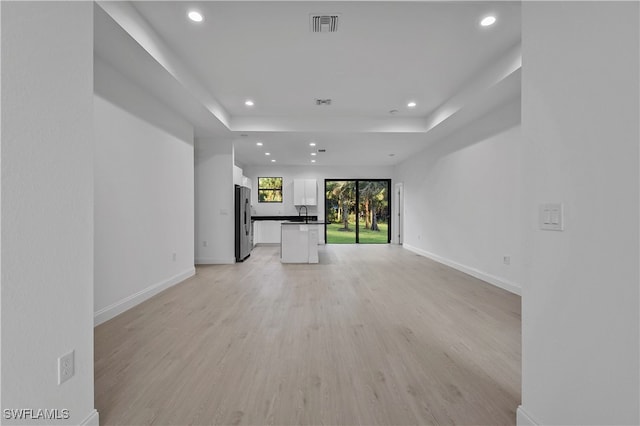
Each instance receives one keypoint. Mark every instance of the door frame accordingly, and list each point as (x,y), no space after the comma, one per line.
(357,180)
(398,213)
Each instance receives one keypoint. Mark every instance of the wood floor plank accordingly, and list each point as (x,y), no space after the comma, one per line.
(371,335)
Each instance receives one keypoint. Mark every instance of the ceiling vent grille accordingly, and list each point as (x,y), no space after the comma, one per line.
(323,102)
(324,23)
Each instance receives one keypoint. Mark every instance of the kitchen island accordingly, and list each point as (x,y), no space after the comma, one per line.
(299,241)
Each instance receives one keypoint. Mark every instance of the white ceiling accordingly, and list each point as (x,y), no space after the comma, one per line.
(384,55)
(344,149)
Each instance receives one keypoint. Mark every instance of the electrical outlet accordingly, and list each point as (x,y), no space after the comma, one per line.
(205,244)
(174,257)
(66,367)
(506,260)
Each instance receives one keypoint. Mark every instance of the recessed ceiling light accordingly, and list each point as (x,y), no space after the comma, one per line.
(195,16)
(488,21)
(313,161)
(312,144)
(259,143)
(273,161)
(267,153)
(313,153)
(412,104)
(248,102)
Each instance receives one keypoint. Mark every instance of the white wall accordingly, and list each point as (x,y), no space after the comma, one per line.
(462,199)
(143,209)
(580,109)
(320,173)
(215,220)
(237,175)
(116,88)
(47,206)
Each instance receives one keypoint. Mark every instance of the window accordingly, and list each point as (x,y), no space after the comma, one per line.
(269,189)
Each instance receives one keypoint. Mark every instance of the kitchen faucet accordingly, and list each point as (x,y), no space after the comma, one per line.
(306,213)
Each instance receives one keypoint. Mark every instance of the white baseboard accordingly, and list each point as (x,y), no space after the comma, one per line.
(491,279)
(129,302)
(92,419)
(215,261)
(523,418)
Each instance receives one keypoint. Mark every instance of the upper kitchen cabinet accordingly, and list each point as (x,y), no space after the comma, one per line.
(305,192)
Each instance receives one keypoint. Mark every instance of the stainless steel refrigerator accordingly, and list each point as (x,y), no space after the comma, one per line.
(244,238)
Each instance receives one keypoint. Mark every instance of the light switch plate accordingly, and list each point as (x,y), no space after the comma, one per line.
(551,217)
(66,367)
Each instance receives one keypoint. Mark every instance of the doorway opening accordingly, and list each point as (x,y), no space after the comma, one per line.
(357,211)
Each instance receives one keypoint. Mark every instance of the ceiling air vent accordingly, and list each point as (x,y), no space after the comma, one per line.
(322,150)
(324,23)
(323,102)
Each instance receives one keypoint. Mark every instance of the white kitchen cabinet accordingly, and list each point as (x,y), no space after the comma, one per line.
(312,243)
(298,192)
(266,231)
(305,192)
(299,243)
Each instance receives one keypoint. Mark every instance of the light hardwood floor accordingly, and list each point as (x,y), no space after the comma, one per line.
(373,335)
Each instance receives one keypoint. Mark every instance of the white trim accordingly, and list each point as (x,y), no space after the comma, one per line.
(523,418)
(129,302)
(215,261)
(491,279)
(92,419)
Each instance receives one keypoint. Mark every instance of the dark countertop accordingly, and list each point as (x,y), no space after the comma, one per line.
(285,218)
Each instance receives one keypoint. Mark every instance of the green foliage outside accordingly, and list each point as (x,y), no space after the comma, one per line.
(270,190)
(269,196)
(337,236)
(372,211)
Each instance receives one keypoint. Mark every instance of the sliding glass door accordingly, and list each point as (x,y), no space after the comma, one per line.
(340,211)
(373,208)
(357,211)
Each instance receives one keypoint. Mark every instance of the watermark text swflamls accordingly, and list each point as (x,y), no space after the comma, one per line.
(35,414)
